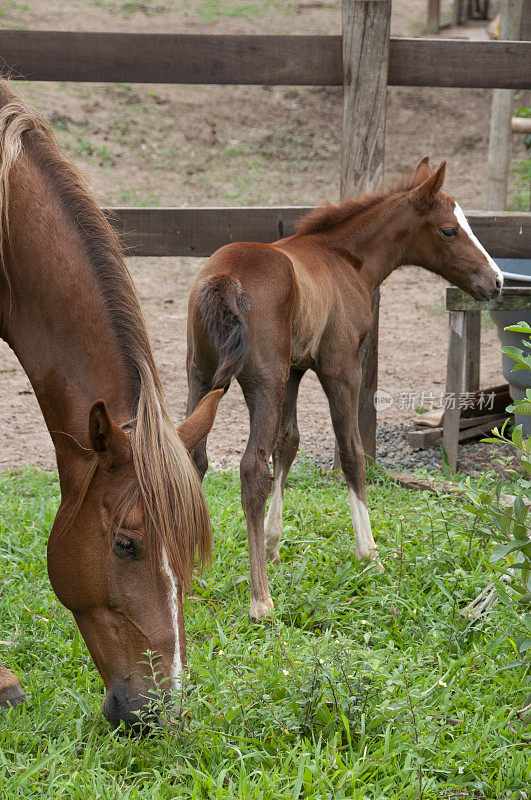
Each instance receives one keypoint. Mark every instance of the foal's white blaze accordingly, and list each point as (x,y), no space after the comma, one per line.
(176,667)
(463,222)
(273,520)
(365,544)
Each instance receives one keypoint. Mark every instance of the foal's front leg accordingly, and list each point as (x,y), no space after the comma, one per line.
(342,384)
(11,693)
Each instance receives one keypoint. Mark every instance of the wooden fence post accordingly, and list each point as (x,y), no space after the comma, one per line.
(366,29)
(433,16)
(500,137)
(525,27)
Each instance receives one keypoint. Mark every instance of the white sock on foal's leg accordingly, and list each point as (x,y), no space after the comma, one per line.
(365,544)
(273,521)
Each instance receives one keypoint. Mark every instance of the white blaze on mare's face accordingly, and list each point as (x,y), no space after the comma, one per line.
(273,521)
(176,667)
(365,544)
(464,224)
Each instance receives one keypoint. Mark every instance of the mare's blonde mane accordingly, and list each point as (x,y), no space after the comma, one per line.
(175,508)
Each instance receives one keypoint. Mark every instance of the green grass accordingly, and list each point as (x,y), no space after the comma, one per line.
(213,10)
(365,685)
(521,198)
(9,5)
(85,149)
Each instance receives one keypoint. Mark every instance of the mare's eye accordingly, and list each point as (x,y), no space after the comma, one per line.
(448,232)
(124,547)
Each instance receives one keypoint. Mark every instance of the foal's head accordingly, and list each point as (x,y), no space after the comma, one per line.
(441,240)
(113,565)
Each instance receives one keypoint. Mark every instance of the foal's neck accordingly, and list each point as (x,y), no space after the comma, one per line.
(373,240)
(54,316)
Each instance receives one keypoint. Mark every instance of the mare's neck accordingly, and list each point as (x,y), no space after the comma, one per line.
(374,241)
(55,318)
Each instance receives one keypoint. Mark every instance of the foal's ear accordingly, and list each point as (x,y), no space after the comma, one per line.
(423,195)
(422,170)
(107,439)
(200,421)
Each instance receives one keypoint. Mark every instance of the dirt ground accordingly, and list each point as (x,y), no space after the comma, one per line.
(213,145)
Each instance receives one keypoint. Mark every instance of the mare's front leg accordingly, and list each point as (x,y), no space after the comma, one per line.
(11,692)
(263,395)
(285,451)
(341,382)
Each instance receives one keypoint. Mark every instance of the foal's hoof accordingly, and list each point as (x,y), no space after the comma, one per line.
(11,696)
(376,558)
(273,556)
(261,609)
(371,555)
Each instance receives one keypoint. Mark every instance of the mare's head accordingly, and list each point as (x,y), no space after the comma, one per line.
(121,552)
(441,240)
(120,555)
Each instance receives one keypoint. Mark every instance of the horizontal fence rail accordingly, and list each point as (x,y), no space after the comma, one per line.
(200,231)
(254,60)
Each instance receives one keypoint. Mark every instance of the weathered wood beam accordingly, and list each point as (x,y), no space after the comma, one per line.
(500,138)
(454,382)
(433,16)
(512,299)
(521,124)
(366,25)
(200,231)
(255,60)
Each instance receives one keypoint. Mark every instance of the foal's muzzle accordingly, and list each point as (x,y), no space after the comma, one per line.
(480,291)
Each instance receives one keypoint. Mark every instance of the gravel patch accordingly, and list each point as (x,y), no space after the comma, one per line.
(475,456)
(394,453)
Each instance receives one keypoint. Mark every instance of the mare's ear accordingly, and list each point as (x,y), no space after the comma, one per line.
(107,439)
(423,195)
(422,170)
(200,421)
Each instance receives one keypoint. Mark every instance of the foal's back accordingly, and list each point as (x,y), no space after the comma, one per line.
(295,287)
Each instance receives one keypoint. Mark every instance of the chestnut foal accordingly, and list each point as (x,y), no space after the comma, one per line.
(132,511)
(266,313)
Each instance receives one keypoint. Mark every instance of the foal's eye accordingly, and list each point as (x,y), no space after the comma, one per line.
(124,547)
(448,232)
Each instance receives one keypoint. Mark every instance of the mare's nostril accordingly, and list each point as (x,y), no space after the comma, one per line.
(499,283)
(139,713)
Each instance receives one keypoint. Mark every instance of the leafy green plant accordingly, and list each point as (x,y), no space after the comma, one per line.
(502,509)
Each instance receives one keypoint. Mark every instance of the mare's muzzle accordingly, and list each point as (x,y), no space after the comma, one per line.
(140,713)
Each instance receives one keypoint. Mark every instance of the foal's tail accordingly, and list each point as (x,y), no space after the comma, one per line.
(223,306)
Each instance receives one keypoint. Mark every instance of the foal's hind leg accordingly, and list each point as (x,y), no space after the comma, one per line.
(263,395)
(11,693)
(341,383)
(199,385)
(285,451)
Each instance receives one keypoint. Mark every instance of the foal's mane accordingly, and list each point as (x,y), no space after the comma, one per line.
(321,219)
(168,484)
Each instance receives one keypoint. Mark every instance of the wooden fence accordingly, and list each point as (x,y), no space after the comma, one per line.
(254,60)
(364,60)
(200,231)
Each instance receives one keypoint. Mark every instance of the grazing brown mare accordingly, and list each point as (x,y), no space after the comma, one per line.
(267,313)
(132,510)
